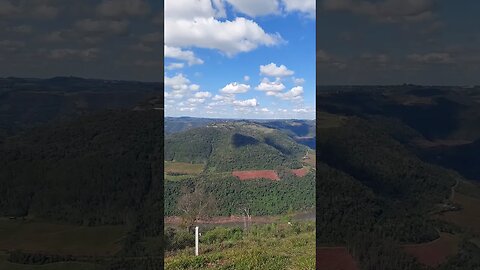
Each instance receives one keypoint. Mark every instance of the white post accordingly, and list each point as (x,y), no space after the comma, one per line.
(196,241)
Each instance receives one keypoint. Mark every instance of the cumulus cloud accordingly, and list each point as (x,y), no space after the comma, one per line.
(123,8)
(385,10)
(275,71)
(173,66)
(196,100)
(246,78)
(246,103)
(269,86)
(184,55)
(203,95)
(177,82)
(255,8)
(294,94)
(298,81)
(235,88)
(305,6)
(194,23)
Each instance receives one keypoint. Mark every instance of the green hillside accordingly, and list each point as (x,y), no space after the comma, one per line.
(235,146)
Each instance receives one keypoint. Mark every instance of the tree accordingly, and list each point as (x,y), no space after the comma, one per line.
(195,205)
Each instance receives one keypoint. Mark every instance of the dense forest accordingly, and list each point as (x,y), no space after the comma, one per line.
(261,197)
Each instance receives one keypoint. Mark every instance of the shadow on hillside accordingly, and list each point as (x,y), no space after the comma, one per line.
(239,140)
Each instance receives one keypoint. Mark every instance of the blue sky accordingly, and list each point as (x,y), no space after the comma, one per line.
(240,59)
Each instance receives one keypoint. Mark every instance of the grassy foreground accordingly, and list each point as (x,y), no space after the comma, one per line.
(272,246)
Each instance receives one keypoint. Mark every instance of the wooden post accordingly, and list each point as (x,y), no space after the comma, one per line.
(196,241)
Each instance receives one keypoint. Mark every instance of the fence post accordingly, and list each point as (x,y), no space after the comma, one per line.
(196,241)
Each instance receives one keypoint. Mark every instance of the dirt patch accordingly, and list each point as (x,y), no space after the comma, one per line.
(436,252)
(335,258)
(174,220)
(300,172)
(256,174)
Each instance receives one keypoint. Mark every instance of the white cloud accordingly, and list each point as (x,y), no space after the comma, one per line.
(177,82)
(194,87)
(187,109)
(275,71)
(298,81)
(246,78)
(294,94)
(189,9)
(304,6)
(193,23)
(173,95)
(268,86)
(173,66)
(235,88)
(300,110)
(203,95)
(196,100)
(246,103)
(255,8)
(179,54)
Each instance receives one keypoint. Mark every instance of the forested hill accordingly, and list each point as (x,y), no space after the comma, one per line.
(239,145)
(302,131)
(25,103)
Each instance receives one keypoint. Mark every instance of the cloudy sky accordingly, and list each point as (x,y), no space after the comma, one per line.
(398,41)
(240,58)
(111,39)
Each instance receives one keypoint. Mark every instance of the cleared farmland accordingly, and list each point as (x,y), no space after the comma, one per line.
(172,167)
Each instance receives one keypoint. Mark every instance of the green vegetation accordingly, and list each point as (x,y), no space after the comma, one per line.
(271,246)
(262,197)
(181,168)
(234,146)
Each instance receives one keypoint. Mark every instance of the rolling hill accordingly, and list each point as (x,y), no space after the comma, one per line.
(235,146)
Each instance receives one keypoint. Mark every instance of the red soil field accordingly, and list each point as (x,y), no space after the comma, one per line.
(300,172)
(335,258)
(256,174)
(436,252)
